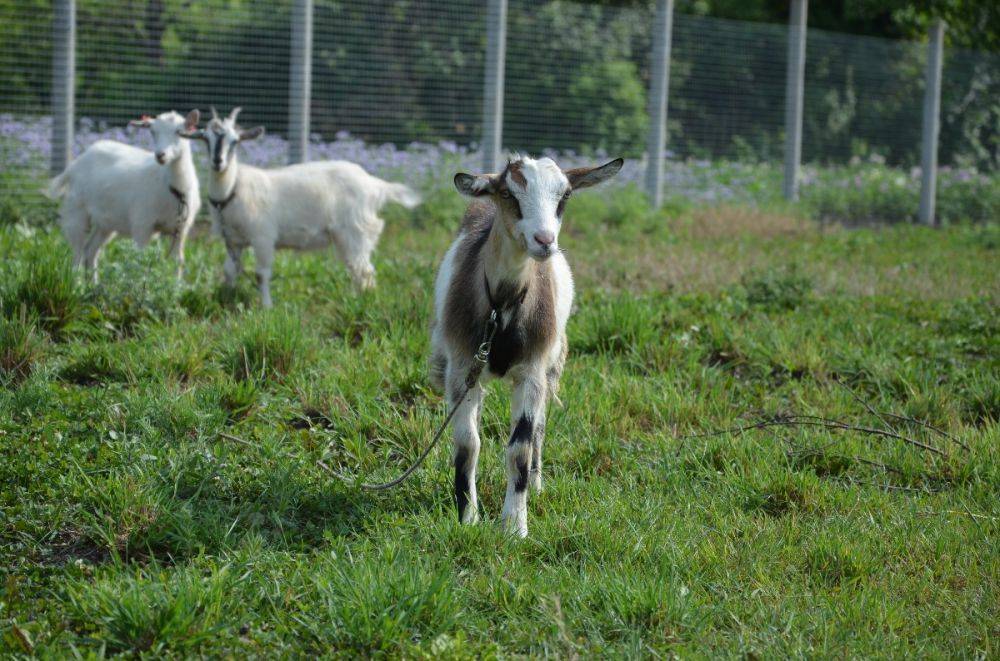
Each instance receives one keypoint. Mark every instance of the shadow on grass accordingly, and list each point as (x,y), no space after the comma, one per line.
(170,519)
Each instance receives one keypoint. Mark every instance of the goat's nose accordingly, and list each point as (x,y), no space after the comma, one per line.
(160,156)
(545,238)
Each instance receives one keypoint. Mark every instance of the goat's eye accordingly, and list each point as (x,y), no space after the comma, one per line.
(567,194)
(505,194)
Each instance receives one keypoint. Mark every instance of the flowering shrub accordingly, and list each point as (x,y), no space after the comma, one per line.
(865,192)
(136,286)
(857,193)
(25,145)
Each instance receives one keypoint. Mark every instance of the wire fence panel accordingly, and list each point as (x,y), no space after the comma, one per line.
(863,98)
(398,85)
(970,109)
(728,91)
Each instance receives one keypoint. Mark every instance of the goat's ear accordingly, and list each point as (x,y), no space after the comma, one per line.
(585,177)
(143,123)
(192,119)
(192,134)
(251,134)
(474,185)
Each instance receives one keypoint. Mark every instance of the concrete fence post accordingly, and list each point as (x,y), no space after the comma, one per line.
(932,122)
(794,88)
(300,82)
(659,92)
(493,83)
(63,82)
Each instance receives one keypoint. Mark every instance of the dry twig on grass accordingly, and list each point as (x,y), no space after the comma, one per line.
(803,420)
(235,439)
(787,420)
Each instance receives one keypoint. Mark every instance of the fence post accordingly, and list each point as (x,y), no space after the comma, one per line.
(794,84)
(300,81)
(659,91)
(63,82)
(932,122)
(493,83)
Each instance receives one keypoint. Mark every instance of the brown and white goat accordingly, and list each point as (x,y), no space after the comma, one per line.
(506,259)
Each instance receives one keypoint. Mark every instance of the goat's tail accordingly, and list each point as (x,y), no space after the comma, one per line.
(57,186)
(399,193)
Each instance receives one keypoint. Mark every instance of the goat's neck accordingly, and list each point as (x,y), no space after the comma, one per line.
(180,172)
(222,183)
(505,259)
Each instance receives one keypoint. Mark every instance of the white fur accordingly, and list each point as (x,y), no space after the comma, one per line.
(299,207)
(539,200)
(114,188)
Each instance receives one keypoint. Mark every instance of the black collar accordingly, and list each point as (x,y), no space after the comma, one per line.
(512,304)
(222,204)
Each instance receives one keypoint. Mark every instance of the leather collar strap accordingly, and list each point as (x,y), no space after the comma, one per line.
(182,204)
(222,204)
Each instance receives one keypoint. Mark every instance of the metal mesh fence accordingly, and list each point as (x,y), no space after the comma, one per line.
(400,82)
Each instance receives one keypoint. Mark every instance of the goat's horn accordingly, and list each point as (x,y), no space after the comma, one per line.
(215,115)
(234,112)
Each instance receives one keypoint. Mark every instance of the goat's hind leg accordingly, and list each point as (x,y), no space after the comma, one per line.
(355,244)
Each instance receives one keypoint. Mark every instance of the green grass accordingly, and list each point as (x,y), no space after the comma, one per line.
(132,525)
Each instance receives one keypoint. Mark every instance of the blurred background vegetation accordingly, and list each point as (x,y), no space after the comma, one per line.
(560,59)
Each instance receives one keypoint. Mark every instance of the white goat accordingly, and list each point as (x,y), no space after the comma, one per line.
(114,188)
(302,207)
(505,265)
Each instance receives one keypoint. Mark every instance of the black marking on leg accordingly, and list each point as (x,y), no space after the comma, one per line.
(522,437)
(522,431)
(461,481)
(522,475)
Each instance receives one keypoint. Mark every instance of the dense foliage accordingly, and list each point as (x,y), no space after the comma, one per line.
(577,73)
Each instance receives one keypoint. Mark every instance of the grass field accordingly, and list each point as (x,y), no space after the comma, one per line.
(167,451)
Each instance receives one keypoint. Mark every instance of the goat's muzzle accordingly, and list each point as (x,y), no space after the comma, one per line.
(161,158)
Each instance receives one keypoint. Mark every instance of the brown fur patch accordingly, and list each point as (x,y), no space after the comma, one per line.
(575,174)
(514,169)
(531,330)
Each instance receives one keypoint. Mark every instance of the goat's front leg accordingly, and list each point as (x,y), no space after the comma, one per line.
(465,427)
(177,241)
(92,251)
(552,376)
(528,415)
(265,258)
(234,264)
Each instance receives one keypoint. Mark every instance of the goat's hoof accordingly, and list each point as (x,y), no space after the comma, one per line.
(516,524)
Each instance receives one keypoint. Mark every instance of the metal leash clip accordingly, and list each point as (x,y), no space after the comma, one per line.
(483,354)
